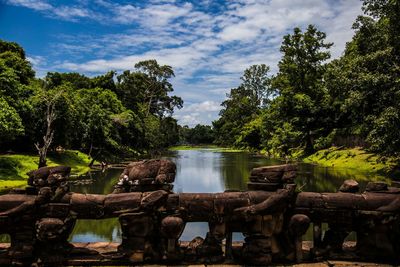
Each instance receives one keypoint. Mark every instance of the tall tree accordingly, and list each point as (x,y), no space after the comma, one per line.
(303,99)
(243,104)
(157,88)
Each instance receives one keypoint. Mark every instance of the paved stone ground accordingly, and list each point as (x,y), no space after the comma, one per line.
(108,250)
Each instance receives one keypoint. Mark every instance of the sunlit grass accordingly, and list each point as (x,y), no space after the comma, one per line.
(13,167)
(352,158)
(208,147)
(191,147)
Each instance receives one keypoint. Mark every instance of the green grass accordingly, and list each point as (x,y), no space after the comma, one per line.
(191,147)
(209,147)
(353,158)
(13,168)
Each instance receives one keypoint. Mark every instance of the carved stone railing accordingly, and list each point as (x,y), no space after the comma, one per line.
(271,215)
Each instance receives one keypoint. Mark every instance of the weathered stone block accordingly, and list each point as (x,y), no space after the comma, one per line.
(115,203)
(88,206)
(376,187)
(154,199)
(349,186)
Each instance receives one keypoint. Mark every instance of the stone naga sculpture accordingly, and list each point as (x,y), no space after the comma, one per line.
(147,175)
(38,224)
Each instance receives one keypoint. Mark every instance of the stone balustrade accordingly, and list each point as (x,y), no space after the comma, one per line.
(271,215)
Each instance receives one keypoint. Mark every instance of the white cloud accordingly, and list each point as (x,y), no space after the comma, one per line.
(39,64)
(126,13)
(70,13)
(33,4)
(203,106)
(74,13)
(198,113)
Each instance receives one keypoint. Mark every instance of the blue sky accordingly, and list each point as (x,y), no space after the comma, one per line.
(208,43)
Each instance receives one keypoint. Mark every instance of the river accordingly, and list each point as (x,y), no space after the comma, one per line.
(206,170)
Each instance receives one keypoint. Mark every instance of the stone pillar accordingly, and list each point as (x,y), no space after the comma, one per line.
(137,230)
(171,229)
(298,226)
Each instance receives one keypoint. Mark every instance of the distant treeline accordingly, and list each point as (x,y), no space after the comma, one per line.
(105,116)
(200,134)
(311,104)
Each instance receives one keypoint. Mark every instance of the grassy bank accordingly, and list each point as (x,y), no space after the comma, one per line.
(211,147)
(353,158)
(13,167)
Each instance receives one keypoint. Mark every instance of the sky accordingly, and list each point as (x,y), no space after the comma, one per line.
(208,43)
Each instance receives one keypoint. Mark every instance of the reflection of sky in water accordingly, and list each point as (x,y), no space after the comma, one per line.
(198,171)
(91,237)
(194,229)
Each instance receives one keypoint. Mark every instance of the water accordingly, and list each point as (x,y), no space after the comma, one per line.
(207,170)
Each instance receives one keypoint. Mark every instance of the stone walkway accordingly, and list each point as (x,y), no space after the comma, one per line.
(110,257)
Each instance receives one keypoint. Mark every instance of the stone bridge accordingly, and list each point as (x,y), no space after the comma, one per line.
(272,216)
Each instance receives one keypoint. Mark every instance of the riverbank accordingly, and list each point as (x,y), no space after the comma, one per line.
(13,167)
(210,147)
(355,159)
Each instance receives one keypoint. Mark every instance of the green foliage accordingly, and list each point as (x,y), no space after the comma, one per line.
(76,80)
(105,116)
(284,140)
(10,122)
(303,100)
(385,134)
(200,134)
(250,134)
(15,76)
(242,106)
(12,47)
(96,112)
(364,82)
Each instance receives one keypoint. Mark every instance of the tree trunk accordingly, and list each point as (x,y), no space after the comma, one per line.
(48,137)
(94,159)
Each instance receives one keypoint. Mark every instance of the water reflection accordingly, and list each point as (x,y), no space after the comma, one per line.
(208,170)
(97,230)
(328,179)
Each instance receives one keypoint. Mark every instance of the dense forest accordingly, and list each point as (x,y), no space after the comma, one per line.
(111,114)
(312,103)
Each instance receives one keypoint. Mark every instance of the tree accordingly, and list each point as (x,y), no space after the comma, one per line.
(105,81)
(49,98)
(10,122)
(100,117)
(76,80)
(303,100)
(200,134)
(257,80)
(16,75)
(157,88)
(364,83)
(243,104)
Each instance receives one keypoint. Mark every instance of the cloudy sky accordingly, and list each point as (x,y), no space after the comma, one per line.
(208,43)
